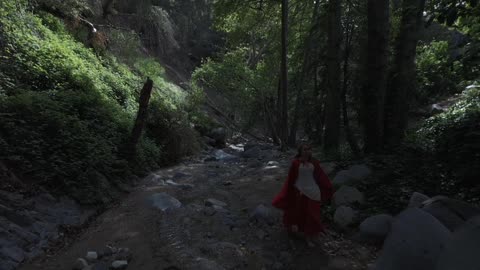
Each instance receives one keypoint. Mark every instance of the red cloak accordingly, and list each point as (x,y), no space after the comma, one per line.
(297,208)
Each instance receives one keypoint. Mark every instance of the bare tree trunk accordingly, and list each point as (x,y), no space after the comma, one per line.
(373,91)
(403,75)
(284,72)
(332,110)
(306,60)
(142,115)
(348,46)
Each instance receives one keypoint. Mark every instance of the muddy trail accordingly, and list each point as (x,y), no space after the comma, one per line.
(211,212)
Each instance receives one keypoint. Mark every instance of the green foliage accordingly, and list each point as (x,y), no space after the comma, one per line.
(167,91)
(232,77)
(437,74)
(67,113)
(454,137)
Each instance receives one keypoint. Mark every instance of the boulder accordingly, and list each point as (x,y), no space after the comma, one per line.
(344,216)
(263,214)
(91,256)
(417,199)
(463,250)
(347,195)
(212,202)
(119,264)
(223,156)
(354,174)
(415,241)
(375,228)
(219,135)
(163,201)
(80,264)
(452,213)
(254,152)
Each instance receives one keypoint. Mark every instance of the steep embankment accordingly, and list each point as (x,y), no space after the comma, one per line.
(70,75)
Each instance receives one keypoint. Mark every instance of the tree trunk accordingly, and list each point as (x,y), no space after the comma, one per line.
(348,46)
(142,115)
(284,104)
(403,75)
(306,60)
(332,110)
(373,91)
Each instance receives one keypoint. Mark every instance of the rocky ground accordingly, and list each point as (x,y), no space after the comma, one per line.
(213,212)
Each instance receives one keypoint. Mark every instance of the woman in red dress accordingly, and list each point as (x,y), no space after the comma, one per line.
(307,187)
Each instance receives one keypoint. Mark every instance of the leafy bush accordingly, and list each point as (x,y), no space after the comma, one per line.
(438,75)
(66,113)
(241,85)
(454,136)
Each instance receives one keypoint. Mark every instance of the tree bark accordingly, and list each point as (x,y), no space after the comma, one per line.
(348,46)
(403,76)
(292,138)
(142,115)
(332,110)
(373,91)
(284,73)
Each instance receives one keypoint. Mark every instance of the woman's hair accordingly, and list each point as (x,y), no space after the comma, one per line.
(300,149)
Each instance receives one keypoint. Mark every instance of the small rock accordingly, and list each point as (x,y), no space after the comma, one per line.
(80,264)
(344,216)
(101,266)
(119,264)
(347,195)
(212,202)
(209,211)
(91,256)
(227,183)
(417,199)
(263,214)
(260,234)
(163,201)
(123,254)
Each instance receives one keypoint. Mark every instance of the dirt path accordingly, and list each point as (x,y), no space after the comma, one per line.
(197,236)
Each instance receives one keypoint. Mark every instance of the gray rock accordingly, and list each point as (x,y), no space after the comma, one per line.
(463,250)
(263,214)
(414,242)
(209,211)
(13,253)
(342,177)
(119,264)
(376,228)
(80,264)
(452,213)
(347,195)
(359,172)
(212,202)
(354,174)
(163,201)
(123,254)
(344,216)
(91,256)
(417,199)
(101,266)
(222,156)
(254,152)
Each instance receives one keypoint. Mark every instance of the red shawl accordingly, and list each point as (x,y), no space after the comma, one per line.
(284,198)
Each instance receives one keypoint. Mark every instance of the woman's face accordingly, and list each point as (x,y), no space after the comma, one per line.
(306,151)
